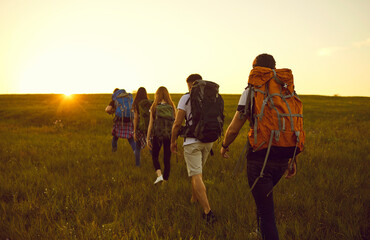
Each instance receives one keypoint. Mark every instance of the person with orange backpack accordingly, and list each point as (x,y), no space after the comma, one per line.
(275,138)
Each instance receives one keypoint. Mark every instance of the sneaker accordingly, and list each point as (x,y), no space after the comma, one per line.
(159,179)
(209,217)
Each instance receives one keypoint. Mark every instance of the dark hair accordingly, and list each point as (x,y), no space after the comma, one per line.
(193,77)
(264,60)
(115,90)
(140,95)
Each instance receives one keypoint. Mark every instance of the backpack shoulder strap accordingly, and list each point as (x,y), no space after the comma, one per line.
(278,80)
(187,101)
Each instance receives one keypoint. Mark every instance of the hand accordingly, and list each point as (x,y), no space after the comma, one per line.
(224,151)
(109,109)
(149,144)
(174,147)
(292,170)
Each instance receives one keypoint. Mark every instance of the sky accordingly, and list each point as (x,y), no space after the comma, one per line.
(90,46)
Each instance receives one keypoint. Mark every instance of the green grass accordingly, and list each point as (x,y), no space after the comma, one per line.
(60,180)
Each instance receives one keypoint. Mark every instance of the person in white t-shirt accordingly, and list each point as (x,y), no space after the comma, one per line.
(195,153)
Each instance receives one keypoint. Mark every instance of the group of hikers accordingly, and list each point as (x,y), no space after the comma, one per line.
(276,136)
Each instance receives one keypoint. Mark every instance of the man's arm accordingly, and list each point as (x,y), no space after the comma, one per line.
(180,116)
(232,132)
(110,109)
(292,168)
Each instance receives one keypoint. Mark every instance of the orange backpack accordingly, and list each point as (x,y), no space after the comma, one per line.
(277,112)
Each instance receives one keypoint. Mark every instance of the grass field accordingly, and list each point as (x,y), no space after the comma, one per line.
(60,180)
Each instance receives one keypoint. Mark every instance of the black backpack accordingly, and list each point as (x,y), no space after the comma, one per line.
(207,112)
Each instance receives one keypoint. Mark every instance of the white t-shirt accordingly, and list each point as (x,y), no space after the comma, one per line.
(242,101)
(187,108)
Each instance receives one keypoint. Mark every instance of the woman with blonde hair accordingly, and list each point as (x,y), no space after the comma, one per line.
(162,115)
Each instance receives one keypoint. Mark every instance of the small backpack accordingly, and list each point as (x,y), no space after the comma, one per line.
(123,105)
(163,121)
(207,112)
(144,114)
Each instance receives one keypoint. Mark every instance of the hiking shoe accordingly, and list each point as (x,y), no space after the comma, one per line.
(209,217)
(114,149)
(159,179)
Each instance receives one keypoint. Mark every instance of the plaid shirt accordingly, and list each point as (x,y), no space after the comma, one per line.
(123,129)
(141,137)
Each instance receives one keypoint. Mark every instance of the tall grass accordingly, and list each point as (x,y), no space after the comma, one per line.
(60,180)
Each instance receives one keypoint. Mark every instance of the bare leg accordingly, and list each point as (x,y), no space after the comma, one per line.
(193,198)
(200,192)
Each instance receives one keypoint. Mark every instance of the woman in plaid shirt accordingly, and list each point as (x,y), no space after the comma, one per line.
(122,129)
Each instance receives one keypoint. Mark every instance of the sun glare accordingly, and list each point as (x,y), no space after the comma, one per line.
(68,95)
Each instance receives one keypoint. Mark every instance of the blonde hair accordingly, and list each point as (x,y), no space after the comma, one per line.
(162,94)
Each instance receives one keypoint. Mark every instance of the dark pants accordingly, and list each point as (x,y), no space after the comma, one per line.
(273,171)
(156,147)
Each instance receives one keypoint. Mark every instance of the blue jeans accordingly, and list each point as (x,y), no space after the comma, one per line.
(132,143)
(273,172)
